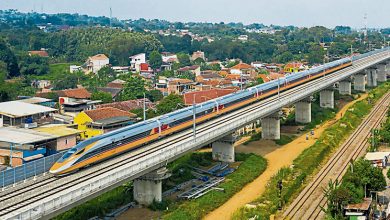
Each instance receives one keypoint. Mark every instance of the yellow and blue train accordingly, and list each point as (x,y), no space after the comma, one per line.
(107,145)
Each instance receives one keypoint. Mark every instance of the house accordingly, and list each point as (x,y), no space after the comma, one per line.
(180,86)
(72,108)
(114,92)
(208,77)
(206,95)
(195,70)
(198,54)
(378,159)
(95,63)
(129,104)
(41,84)
(257,64)
(71,95)
(66,137)
(23,114)
(98,121)
(74,68)
(243,37)
(41,53)
(136,60)
(360,210)
(118,83)
(169,58)
(293,67)
(241,68)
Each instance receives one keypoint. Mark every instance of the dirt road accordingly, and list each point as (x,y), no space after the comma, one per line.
(278,157)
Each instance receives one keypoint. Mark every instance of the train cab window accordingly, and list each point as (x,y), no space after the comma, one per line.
(80,152)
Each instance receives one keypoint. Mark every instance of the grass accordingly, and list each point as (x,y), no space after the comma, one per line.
(251,167)
(309,161)
(56,71)
(284,139)
(100,205)
(254,137)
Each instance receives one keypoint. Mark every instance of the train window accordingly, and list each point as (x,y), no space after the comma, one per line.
(80,152)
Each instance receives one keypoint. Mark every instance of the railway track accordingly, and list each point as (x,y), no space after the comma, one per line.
(50,186)
(309,202)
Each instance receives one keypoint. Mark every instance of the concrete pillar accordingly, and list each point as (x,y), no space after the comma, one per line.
(382,72)
(149,187)
(270,127)
(371,77)
(327,98)
(223,149)
(359,83)
(303,111)
(345,87)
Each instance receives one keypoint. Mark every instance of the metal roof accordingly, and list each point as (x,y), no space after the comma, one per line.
(34,100)
(23,136)
(57,130)
(17,109)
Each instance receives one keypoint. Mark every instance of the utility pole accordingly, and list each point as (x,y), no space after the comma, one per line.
(194,117)
(144,107)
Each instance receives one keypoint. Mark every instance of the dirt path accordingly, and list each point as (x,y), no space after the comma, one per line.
(278,157)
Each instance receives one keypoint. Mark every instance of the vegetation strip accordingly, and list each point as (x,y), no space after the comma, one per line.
(251,167)
(293,178)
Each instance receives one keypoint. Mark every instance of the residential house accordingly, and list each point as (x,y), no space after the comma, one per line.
(41,84)
(74,68)
(257,64)
(95,63)
(195,70)
(243,37)
(242,69)
(207,77)
(198,54)
(71,95)
(293,67)
(98,121)
(66,137)
(180,86)
(136,61)
(128,105)
(114,92)
(206,95)
(118,83)
(23,114)
(41,53)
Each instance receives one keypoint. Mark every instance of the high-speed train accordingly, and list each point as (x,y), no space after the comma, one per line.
(125,139)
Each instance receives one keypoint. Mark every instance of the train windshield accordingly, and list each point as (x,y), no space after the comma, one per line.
(67,155)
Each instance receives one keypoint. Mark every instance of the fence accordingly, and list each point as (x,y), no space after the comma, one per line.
(27,170)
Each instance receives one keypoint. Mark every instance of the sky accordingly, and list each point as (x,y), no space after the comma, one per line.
(302,13)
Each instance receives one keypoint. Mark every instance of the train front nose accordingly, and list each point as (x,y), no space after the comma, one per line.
(57,168)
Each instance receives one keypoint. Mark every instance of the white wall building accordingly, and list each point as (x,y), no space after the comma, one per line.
(95,63)
(136,60)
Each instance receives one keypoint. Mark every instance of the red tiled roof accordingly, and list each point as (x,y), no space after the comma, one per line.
(293,65)
(128,105)
(41,53)
(108,112)
(202,96)
(79,93)
(188,68)
(264,77)
(241,66)
(99,57)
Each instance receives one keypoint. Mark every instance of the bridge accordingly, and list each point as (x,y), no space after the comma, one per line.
(48,196)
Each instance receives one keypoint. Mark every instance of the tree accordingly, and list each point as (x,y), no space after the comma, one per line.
(155,95)
(155,60)
(316,54)
(169,104)
(184,59)
(133,89)
(199,61)
(68,81)
(8,57)
(33,65)
(105,97)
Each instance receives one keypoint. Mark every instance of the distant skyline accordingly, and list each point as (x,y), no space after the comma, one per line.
(302,13)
